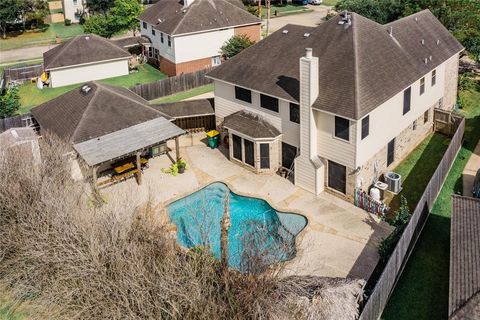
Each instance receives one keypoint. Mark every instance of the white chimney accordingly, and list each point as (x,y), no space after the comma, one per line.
(186,3)
(309,168)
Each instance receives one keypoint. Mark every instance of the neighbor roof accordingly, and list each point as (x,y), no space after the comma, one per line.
(190,108)
(360,66)
(464,256)
(201,15)
(122,142)
(132,41)
(250,124)
(82,49)
(77,116)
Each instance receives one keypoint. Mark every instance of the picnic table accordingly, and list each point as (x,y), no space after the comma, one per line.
(129,165)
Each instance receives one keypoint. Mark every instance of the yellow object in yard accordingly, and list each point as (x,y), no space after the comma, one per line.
(44,77)
(213,133)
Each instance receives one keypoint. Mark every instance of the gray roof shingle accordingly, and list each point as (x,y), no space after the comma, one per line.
(190,108)
(464,257)
(201,15)
(360,67)
(250,124)
(83,49)
(77,116)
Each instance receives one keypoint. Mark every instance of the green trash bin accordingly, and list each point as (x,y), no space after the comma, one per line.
(213,139)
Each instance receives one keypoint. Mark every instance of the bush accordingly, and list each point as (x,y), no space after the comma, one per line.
(9,102)
(68,22)
(235,45)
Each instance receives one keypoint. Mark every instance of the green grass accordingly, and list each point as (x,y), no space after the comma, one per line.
(38,37)
(30,96)
(330,3)
(184,95)
(283,10)
(9,313)
(422,291)
(417,169)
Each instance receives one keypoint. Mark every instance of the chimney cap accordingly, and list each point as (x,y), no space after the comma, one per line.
(308,53)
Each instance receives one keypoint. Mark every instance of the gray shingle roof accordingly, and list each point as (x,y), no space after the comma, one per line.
(250,124)
(191,108)
(83,49)
(77,116)
(126,141)
(464,255)
(360,67)
(201,15)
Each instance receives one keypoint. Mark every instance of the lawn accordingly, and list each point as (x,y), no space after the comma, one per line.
(184,95)
(38,37)
(277,10)
(422,291)
(330,3)
(30,96)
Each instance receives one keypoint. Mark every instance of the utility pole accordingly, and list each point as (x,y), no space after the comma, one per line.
(267,2)
(260,9)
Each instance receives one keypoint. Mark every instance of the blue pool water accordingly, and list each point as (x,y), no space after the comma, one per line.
(257,234)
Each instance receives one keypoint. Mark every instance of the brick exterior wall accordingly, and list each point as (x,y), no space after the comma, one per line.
(451,79)
(252,31)
(405,143)
(173,69)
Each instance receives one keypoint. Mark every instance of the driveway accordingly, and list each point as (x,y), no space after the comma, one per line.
(470,170)
(339,240)
(310,19)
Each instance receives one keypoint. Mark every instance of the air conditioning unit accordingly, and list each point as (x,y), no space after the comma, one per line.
(394,182)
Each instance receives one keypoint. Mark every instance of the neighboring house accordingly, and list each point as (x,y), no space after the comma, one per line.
(464,297)
(74,9)
(85,58)
(105,124)
(349,98)
(187,35)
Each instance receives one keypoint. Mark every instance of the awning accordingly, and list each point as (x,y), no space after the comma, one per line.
(250,124)
(127,141)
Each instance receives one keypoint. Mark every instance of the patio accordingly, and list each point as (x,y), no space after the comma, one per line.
(340,240)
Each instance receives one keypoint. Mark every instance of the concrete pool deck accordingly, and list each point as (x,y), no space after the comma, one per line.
(339,240)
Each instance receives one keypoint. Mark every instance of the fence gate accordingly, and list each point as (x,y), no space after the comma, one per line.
(446,122)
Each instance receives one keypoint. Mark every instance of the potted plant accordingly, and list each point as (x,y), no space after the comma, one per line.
(181,165)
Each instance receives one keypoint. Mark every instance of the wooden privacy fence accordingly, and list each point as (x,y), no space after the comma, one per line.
(23,120)
(446,122)
(172,85)
(22,73)
(383,289)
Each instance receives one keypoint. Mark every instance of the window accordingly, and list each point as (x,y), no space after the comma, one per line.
(243,94)
(153,32)
(425,117)
(156,53)
(289,153)
(237,147)
(75,2)
(391,152)
(434,77)
(216,61)
(414,125)
(365,127)
(294,112)
(150,52)
(264,156)
(144,24)
(269,103)
(337,177)
(169,41)
(407,94)
(249,152)
(422,86)
(342,126)
(161,37)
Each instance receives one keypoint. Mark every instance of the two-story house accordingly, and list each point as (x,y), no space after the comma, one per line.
(74,9)
(187,35)
(341,103)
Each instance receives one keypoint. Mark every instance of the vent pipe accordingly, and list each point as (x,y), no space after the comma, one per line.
(390,31)
(308,53)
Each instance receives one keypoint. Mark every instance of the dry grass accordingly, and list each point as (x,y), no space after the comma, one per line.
(68,256)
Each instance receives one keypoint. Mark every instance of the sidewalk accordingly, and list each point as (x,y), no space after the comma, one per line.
(470,170)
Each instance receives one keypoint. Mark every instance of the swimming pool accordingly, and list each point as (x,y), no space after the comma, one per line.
(259,235)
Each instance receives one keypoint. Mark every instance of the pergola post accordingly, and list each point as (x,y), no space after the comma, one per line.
(139,169)
(94,177)
(177,148)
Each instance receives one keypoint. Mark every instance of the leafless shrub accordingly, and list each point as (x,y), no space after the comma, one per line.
(69,259)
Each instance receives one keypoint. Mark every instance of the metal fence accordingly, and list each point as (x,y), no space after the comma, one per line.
(383,289)
(22,73)
(166,87)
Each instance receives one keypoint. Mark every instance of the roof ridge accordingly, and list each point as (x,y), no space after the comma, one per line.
(65,46)
(241,10)
(409,16)
(86,109)
(355,66)
(186,14)
(112,44)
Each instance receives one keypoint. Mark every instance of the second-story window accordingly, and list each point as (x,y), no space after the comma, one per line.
(75,2)
(269,103)
(407,95)
(365,127)
(243,94)
(422,86)
(153,32)
(294,112)
(342,127)
(169,41)
(144,24)
(434,77)
(425,117)
(161,37)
